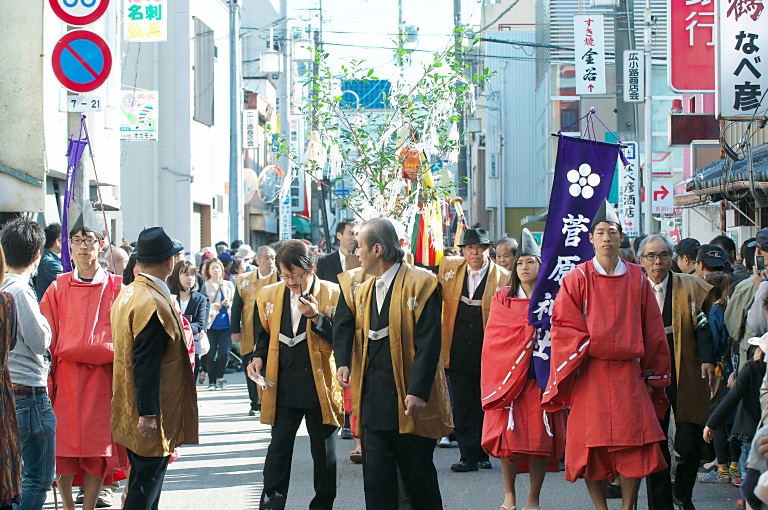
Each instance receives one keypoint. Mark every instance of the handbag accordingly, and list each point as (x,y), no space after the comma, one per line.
(205,344)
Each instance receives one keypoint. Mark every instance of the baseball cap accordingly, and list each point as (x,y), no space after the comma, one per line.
(713,256)
(688,247)
(761,239)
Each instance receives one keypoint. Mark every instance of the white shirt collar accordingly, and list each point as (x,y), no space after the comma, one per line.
(261,276)
(99,277)
(160,283)
(521,292)
(389,275)
(663,284)
(343,259)
(621,268)
(480,272)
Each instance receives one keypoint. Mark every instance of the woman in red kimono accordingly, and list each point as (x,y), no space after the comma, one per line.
(515,429)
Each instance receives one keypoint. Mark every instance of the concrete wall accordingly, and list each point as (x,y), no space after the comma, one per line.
(189,163)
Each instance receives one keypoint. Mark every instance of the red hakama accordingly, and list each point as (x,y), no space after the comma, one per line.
(608,344)
(515,426)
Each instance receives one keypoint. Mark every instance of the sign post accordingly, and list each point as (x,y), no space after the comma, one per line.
(741,63)
(663,197)
(81,61)
(691,45)
(79,13)
(634,76)
(589,44)
(629,191)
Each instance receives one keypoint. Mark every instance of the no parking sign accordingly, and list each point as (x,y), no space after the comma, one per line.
(79,12)
(81,61)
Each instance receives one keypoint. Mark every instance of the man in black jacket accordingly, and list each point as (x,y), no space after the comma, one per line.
(331,265)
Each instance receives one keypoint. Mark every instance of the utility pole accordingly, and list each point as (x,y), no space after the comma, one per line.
(624,35)
(463,163)
(235,188)
(648,117)
(284,112)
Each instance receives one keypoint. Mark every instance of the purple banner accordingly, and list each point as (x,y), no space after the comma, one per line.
(583,175)
(74,154)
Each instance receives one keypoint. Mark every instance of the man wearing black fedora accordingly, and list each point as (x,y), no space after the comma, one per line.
(148,418)
(468,285)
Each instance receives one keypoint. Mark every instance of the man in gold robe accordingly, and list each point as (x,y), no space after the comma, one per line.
(148,418)
(243,326)
(401,395)
(468,284)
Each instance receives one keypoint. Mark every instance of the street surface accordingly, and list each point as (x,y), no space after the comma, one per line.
(224,471)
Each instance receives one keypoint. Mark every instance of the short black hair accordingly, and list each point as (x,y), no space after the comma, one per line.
(296,254)
(22,239)
(221,243)
(342,225)
(748,253)
(726,243)
(52,233)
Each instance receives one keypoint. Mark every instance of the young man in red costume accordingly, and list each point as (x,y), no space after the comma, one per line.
(77,307)
(610,363)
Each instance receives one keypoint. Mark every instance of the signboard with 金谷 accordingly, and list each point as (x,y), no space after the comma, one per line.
(589,46)
(741,64)
(146,20)
(139,115)
(691,45)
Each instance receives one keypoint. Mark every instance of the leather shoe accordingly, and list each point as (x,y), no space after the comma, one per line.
(484,464)
(464,466)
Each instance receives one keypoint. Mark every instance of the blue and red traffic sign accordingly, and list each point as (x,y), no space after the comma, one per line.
(79,12)
(81,61)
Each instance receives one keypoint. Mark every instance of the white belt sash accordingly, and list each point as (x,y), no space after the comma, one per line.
(378,335)
(290,342)
(668,330)
(471,302)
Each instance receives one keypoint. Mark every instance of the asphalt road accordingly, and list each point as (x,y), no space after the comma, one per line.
(224,471)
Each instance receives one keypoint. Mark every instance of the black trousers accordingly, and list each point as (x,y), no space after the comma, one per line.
(253,388)
(218,356)
(145,482)
(277,466)
(383,453)
(467,414)
(688,441)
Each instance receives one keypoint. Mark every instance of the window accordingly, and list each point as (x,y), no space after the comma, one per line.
(204,59)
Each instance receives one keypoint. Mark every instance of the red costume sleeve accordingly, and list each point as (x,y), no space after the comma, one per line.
(656,362)
(570,340)
(507,350)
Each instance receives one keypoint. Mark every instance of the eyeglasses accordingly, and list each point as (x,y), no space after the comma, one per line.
(87,242)
(288,277)
(651,257)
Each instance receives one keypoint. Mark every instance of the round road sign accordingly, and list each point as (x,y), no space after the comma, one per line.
(79,12)
(81,61)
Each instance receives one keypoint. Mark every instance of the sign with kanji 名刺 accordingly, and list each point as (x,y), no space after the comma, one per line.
(741,65)
(589,47)
(691,43)
(146,20)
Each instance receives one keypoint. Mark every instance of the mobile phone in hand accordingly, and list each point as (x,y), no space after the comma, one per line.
(760,262)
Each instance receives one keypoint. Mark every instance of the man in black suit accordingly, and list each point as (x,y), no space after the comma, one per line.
(331,265)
